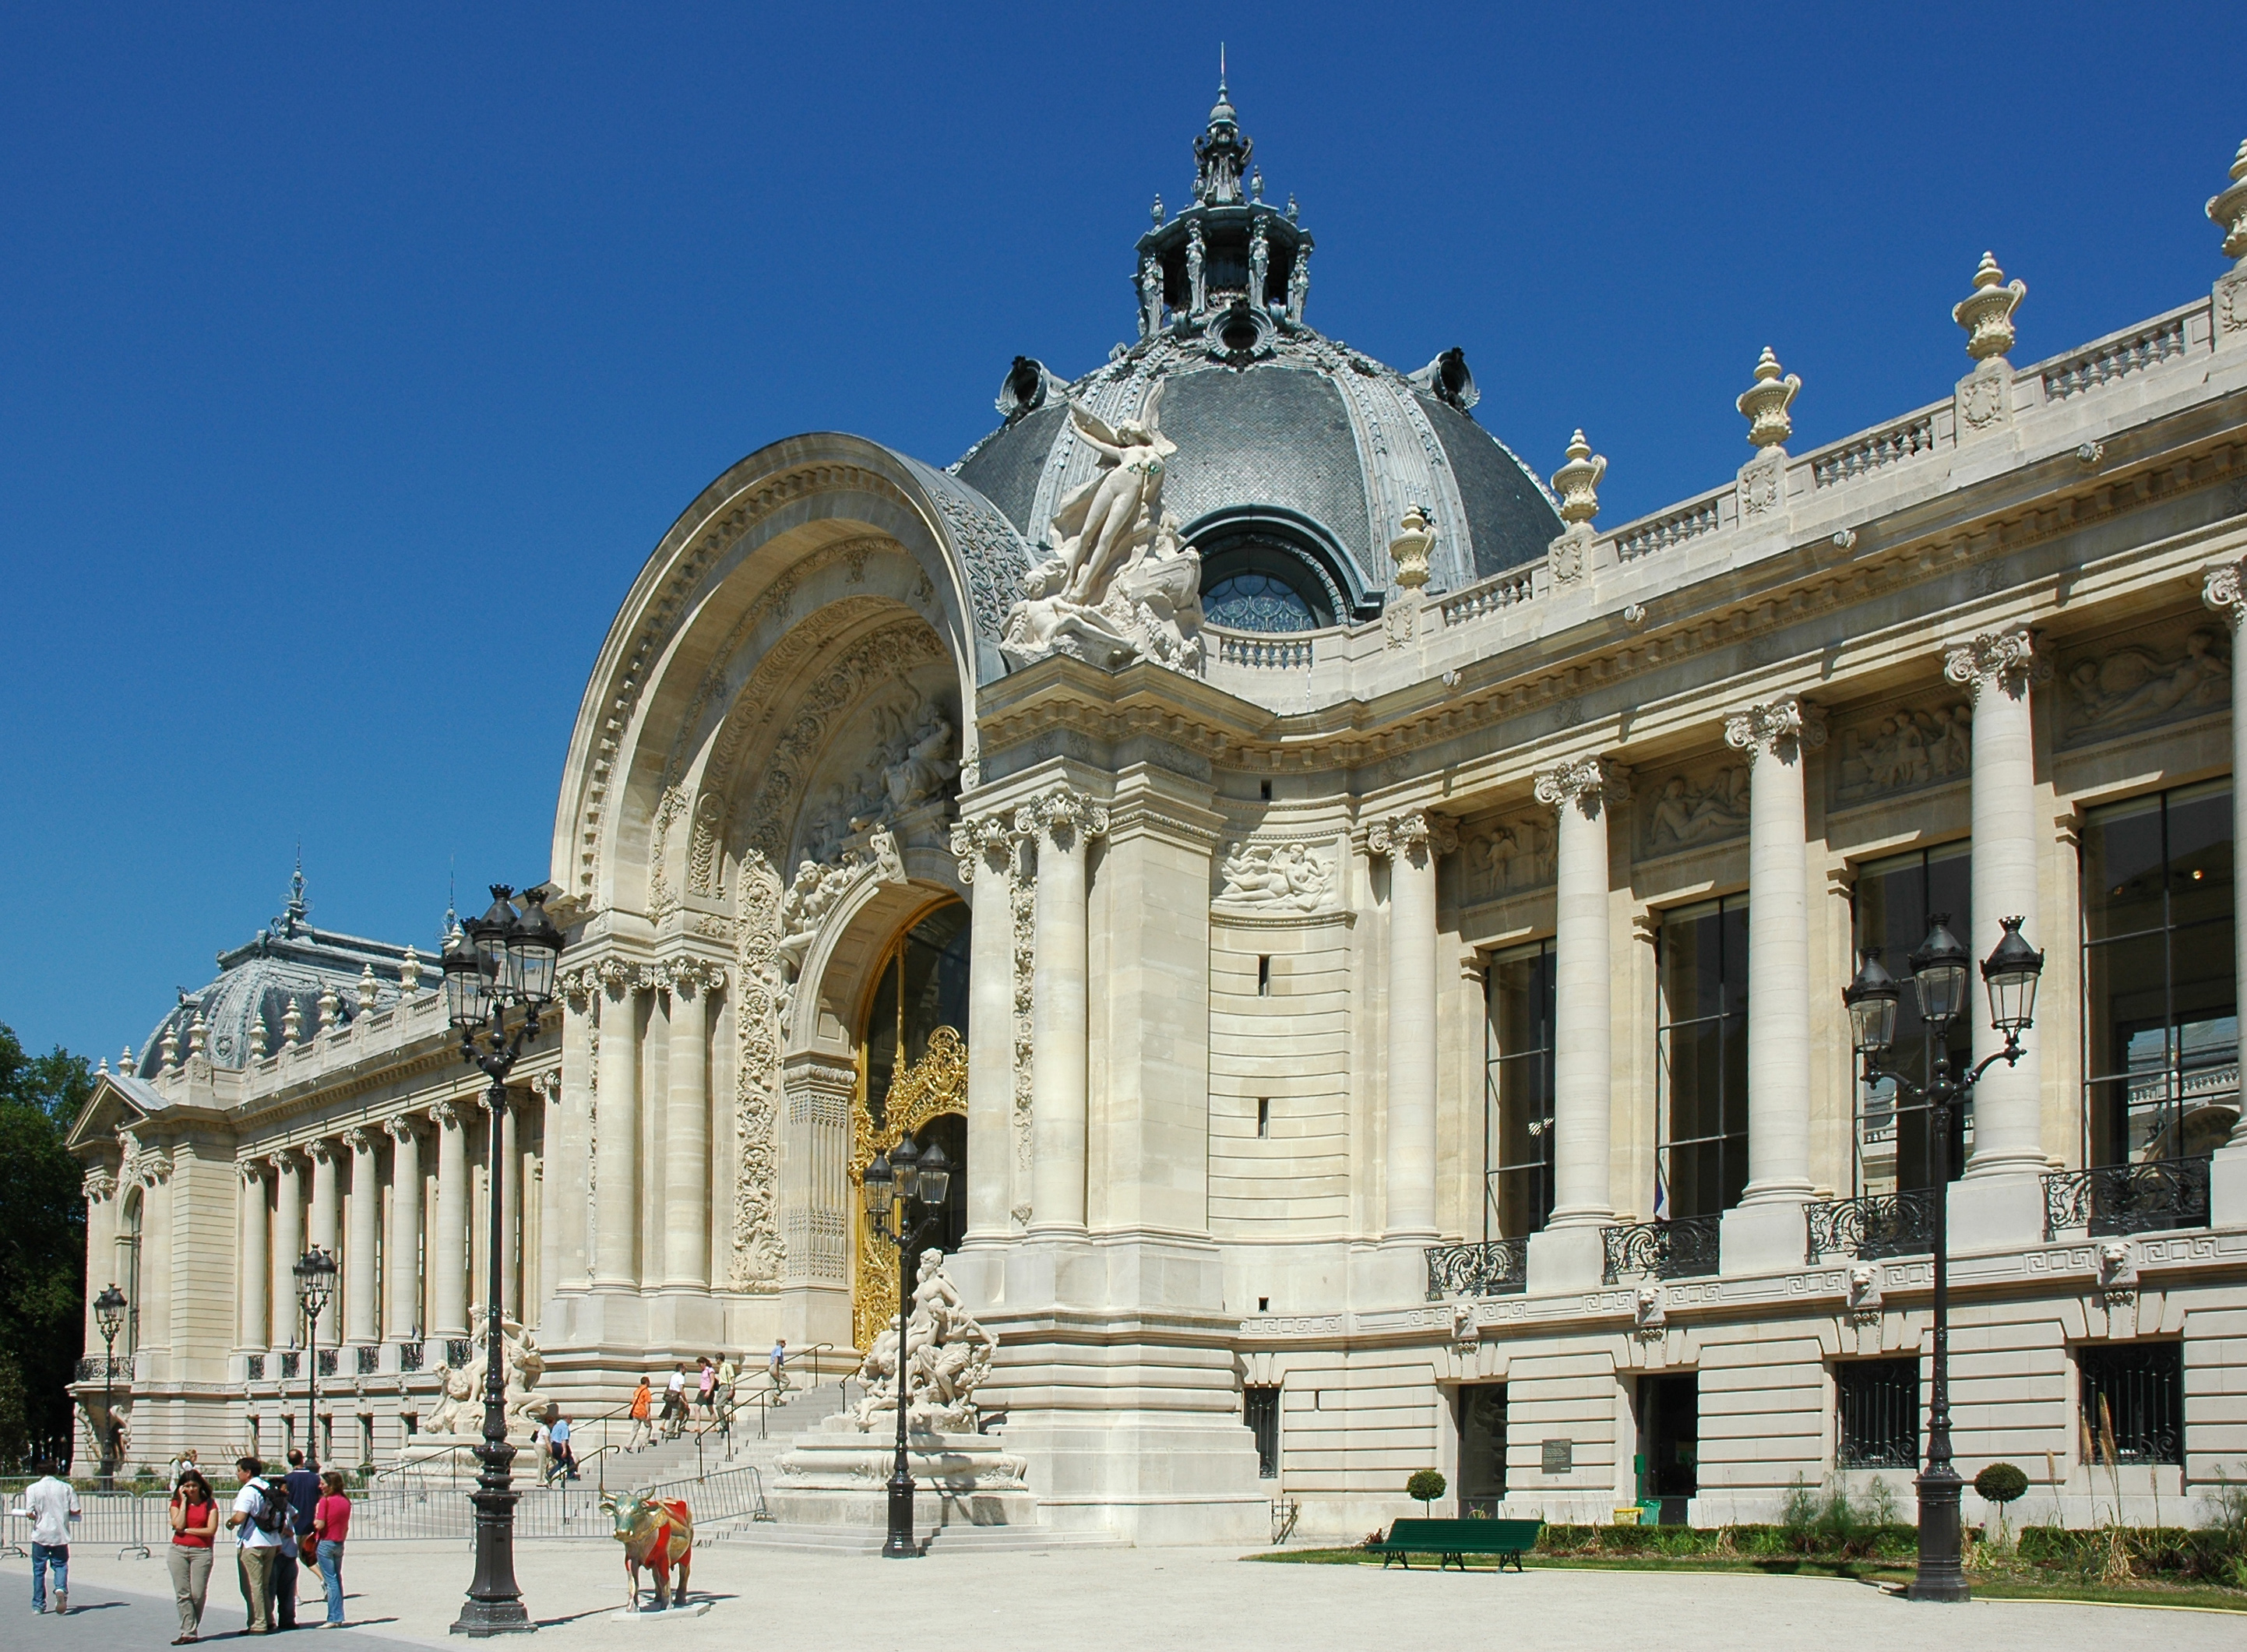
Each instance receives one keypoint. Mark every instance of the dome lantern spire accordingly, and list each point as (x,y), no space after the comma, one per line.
(1221,152)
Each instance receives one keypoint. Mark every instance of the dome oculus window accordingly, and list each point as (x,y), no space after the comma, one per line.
(1252,601)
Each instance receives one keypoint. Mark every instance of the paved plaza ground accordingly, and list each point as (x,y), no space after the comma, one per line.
(1165,1598)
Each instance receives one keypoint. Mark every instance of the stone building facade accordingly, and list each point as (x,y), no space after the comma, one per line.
(1373,934)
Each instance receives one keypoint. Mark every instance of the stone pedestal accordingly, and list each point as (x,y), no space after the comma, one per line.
(2227,1187)
(840,1474)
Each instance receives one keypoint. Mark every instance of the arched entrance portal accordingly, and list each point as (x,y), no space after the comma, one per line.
(912,1081)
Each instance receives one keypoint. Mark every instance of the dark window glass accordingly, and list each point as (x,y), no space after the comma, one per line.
(1876,1408)
(2133,1402)
(1701,1155)
(927,971)
(2160,990)
(1260,1409)
(1517,1162)
(1893,901)
(1482,1448)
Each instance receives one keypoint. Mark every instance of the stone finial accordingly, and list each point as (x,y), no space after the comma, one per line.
(1156,212)
(1579,480)
(292,1022)
(331,1007)
(198,1036)
(1764,403)
(101,1068)
(367,989)
(1408,550)
(124,1062)
(257,1034)
(168,1051)
(2228,210)
(1987,312)
(409,972)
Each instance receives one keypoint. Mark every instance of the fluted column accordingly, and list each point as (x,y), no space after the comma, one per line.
(538,1281)
(506,1153)
(101,1187)
(687,1133)
(361,1316)
(288,1244)
(569,1168)
(1063,821)
(985,849)
(405,1250)
(1412,842)
(1581,793)
(322,1226)
(1766,1231)
(2226,591)
(616,1264)
(449,1253)
(256,1272)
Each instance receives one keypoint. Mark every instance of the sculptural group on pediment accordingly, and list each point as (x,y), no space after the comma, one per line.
(1904,750)
(2130,686)
(1684,812)
(816,889)
(1118,585)
(1292,877)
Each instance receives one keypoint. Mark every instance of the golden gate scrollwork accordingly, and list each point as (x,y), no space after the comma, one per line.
(934,1085)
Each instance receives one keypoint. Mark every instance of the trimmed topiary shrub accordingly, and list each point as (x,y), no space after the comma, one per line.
(1426,1484)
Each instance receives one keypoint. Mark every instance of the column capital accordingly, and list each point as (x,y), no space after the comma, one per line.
(2011,660)
(152,1168)
(2222,590)
(359,1138)
(1062,815)
(687,976)
(987,838)
(446,1114)
(618,977)
(99,1184)
(284,1162)
(320,1149)
(1401,833)
(575,988)
(1588,782)
(402,1128)
(1781,727)
(547,1085)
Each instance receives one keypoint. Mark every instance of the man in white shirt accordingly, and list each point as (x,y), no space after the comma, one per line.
(675,1403)
(50,1506)
(257,1520)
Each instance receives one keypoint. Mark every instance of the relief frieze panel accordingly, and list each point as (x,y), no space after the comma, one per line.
(1693,807)
(1890,750)
(2143,679)
(1504,857)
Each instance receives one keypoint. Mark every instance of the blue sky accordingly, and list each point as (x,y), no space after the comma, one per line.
(353,359)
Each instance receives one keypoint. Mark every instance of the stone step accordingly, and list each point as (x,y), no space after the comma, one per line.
(950,1539)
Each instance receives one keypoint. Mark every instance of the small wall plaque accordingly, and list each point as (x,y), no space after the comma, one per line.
(1559,1457)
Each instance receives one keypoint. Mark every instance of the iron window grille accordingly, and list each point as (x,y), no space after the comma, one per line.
(2133,1396)
(1517,1142)
(2127,1199)
(1876,1225)
(1260,1410)
(1876,1413)
(1496,1267)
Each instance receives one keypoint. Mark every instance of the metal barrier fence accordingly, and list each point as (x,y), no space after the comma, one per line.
(106,1520)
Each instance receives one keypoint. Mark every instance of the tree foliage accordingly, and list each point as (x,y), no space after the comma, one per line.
(1427,1484)
(42,1248)
(2001,1483)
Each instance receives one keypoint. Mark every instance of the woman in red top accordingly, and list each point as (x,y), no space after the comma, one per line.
(332,1522)
(195,1522)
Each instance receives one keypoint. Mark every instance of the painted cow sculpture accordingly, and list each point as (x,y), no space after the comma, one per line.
(658,1534)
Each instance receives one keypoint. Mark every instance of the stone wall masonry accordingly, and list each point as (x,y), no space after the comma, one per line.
(1290,1047)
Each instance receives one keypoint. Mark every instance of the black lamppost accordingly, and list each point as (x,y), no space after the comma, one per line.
(109,1317)
(895,1182)
(1939,971)
(504,960)
(316,1283)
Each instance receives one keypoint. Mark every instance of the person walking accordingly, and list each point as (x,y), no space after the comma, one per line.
(331,1525)
(643,1430)
(259,1517)
(674,1401)
(182,1464)
(706,1387)
(50,1506)
(194,1527)
(722,1400)
(780,1365)
(557,1444)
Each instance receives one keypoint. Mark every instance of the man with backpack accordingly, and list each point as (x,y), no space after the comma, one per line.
(259,1520)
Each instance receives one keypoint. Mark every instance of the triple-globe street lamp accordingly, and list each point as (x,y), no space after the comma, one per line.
(109,1318)
(1939,973)
(316,1283)
(896,1183)
(502,961)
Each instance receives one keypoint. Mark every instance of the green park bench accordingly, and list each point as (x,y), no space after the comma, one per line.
(1453,1541)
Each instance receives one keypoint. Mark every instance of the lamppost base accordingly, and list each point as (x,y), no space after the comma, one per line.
(899,1545)
(1941,1574)
(481,1618)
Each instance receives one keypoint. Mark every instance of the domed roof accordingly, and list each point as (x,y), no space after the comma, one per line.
(286,962)
(1297,456)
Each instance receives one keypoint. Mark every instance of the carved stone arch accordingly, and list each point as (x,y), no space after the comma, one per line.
(837,982)
(733,546)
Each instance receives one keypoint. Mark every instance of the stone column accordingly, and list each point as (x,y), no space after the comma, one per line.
(99,1186)
(505,1157)
(156,1263)
(569,1170)
(1063,821)
(323,1228)
(538,1287)
(2226,592)
(405,1252)
(686,1128)
(362,1316)
(1567,1253)
(985,848)
(449,1252)
(1766,1231)
(617,1267)
(288,1246)
(1411,843)
(256,1270)
(1996,669)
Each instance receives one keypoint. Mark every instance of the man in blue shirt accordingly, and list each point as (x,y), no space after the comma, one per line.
(561,1464)
(302,1490)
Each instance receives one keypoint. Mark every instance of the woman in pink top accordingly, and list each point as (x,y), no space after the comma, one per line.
(332,1521)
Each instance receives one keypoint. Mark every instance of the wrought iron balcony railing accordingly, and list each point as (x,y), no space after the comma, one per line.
(2127,1199)
(99,1369)
(1494,1267)
(1683,1249)
(253,1367)
(367,1359)
(456,1351)
(1877,1224)
(409,1356)
(292,1365)
(327,1359)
